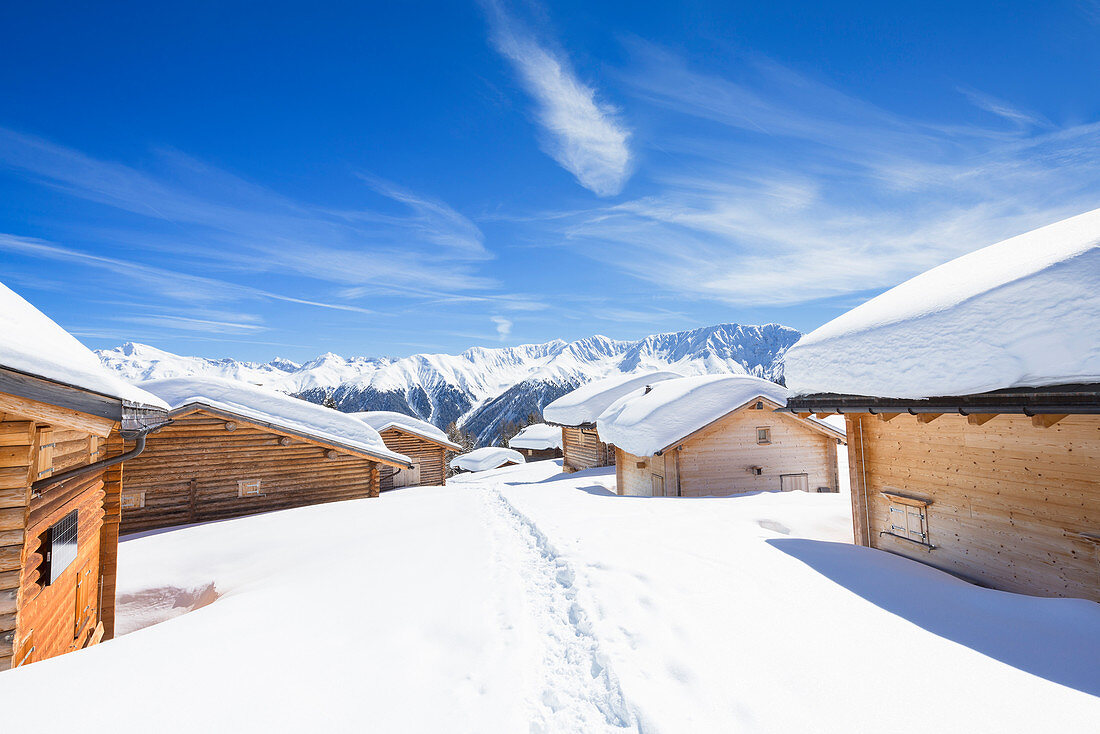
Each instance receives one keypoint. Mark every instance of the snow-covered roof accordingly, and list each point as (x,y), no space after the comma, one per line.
(1024,312)
(381,420)
(537,436)
(291,414)
(490,457)
(644,423)
(585,404)
(31,343)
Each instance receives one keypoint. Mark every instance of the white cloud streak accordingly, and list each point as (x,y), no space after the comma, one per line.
(504,327)
(583,134)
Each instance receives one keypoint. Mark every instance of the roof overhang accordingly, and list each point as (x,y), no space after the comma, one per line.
(768,402)
(88,411)
(413,432)
(196,407)
(1076,399)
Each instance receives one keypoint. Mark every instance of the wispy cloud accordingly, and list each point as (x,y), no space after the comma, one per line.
(212,215)
(581,132)
(776,189)
(504,327)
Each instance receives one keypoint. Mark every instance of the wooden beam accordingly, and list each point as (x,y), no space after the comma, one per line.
(55,416)
(928,417)
(804,416)
(980,419)
(1046,420)
(888,416)
(822,414)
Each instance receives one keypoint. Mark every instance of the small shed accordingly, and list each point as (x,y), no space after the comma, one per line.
(424,444)
(576,413)
(717,435)
(62,420)
(235,449)
(484,459)
(538,442)
(972,399)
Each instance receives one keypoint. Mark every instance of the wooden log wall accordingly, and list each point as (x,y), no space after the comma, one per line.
(541,454)
(716,461)
(583,449)
(190,471)
(1014,506)
(433,468)
(38,621)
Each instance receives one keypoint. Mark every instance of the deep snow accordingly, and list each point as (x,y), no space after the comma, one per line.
(32,343)
(488,457)
(1022,312)
(537,436)
(644,423)
(587,402)
(525,600)
(380,420)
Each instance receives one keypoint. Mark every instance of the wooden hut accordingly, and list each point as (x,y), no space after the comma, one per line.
(62,419)
(234,449)
(576,413)
(972,399)
(717,435)
(486,458)
(424,444)
(538,442)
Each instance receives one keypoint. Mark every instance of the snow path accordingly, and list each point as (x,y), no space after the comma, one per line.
(576,690)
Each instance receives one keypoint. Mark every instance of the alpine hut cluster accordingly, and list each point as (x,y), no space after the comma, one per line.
(576,413)
(972,400)
(63,420)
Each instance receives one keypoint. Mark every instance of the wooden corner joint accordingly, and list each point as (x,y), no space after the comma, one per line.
(1046,420)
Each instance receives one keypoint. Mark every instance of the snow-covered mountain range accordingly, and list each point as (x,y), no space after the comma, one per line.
(481,389)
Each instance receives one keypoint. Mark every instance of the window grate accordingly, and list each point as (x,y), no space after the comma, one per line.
(61,545)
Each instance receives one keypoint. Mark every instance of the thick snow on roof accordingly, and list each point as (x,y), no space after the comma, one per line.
(1022,312)
(32,343)
(267,406)
(489,457)
(644,423)
(537,436)
(585,404)
(380,420)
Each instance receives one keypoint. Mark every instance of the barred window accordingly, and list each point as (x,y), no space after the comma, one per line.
(58,547)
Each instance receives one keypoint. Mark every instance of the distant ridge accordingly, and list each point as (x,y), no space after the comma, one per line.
(481,388)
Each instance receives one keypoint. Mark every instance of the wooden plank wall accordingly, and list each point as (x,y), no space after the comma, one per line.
(1010,501)
(583,449)
(540,454)
(715,462)
(189,473)
(39,621)
(433,469)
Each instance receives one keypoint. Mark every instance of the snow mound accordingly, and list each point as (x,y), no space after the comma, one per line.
(267,406)
(537,436)
(32,343)
(381,420)
(643,423)
(489,457)
(1024,312)
(585,404)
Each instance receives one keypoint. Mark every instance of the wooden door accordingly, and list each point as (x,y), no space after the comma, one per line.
(794,482)
(658,485)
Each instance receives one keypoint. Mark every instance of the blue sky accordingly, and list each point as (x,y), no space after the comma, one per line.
(252,180)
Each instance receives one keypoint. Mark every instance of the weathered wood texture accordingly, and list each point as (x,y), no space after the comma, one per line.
(541,454)
(428,456)
(583,449)
(718,460)
(190,472)
(1013,505)
(40,620)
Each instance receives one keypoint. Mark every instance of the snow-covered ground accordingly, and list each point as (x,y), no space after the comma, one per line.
(525,600)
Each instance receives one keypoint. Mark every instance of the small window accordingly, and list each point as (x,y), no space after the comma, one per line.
(907,517)
(759,404)
(133,500)
(58,547)
(248,488)
(763,435)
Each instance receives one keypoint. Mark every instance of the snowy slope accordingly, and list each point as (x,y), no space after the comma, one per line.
(1022,312)
(481,388)
(524,600)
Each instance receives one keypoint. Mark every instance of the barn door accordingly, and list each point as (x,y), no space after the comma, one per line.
(794,482)
(658,485)
(408,477)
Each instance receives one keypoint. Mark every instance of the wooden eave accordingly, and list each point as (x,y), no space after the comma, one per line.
(424,437)
(826,430)
(190,408)
(1075,399)
(586,424)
